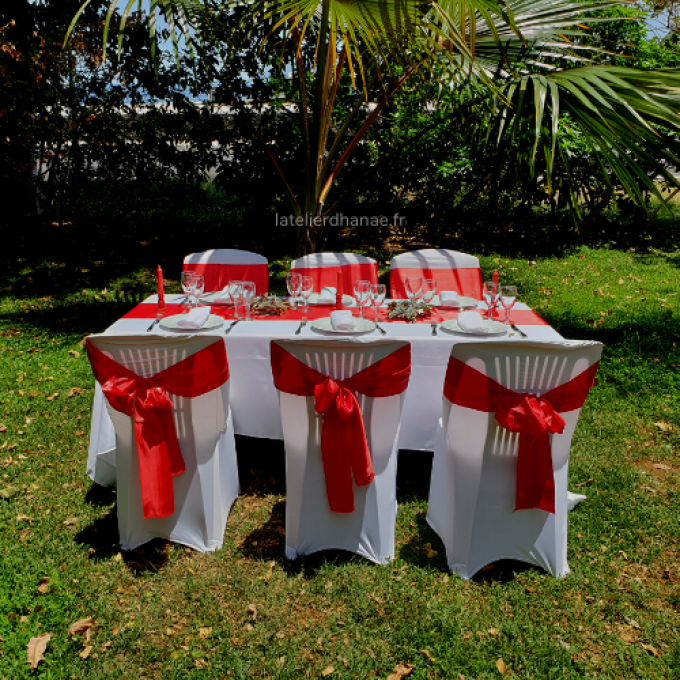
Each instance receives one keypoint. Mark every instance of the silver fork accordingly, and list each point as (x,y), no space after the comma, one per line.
(381,329)
(434,327)
(303,323)
(230,327)
(159,318)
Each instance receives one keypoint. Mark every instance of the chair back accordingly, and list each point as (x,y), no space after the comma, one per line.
(474,475)
(310,524)
(452,270)
(218,267)
(205,491)
(324,268)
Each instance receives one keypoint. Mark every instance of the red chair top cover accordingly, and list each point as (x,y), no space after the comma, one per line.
(218,267)
(146,399)
(452,271)
(324,268)
(344,448)
(534,417)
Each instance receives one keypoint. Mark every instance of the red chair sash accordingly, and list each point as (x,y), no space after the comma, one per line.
(328,276)
(344,448)
(466,281)
(147,401)
(532,416)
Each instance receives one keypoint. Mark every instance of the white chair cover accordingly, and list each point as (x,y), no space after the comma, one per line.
(472,491)
(218,267)
(205,492)
(324,268)
(310,524)
(452,270)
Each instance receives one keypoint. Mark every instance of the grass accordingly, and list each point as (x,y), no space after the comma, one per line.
(167,612)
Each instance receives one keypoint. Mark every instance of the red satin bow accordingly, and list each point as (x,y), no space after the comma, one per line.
(147,401)
(344,448)
(534,418)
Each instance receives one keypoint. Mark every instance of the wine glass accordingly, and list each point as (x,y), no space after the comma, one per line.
(490,297)
(197,288)
(248,293)
(293,283)
(306,289)
(236,293)
(362,289)
(414,287)
(429,290)
(378,291)
(508,299)
(187,278)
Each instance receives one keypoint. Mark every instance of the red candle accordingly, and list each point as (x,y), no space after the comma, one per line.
(161,294)
(338,291)
(495,280)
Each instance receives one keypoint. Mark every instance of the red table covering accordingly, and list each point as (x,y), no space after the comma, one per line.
(147,310)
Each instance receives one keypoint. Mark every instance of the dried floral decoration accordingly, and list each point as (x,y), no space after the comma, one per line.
(409,310)
(269,305)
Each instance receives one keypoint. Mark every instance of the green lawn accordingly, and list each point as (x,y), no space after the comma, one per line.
(167,612)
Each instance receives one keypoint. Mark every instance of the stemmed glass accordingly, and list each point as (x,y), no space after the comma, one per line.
(378,291)
(429,290)
(248,292)
(187,278)
(414,287)
(293,283)
(490,296)
(362,289)
(306,289)
(197,288)
(508,299)
(236,293)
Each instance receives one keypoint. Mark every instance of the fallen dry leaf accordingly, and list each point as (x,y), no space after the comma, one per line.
(327,671)
(500,665)
(270,571)
(86,652)
(43,585)
(429,656)
(70,521)
(82,626)
(401,670)
(252,609)
(652,650)
(661,466)
(588,481)
(3,428)
(74,354)
(52,397)
(664,426)
(24,518)
(76,390)
(204,633)
(105,646)
(36,649)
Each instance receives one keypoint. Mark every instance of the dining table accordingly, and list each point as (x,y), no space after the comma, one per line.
(253,397)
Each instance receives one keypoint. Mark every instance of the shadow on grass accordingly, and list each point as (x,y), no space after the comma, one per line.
(261,466)
(413,475)
(100,496)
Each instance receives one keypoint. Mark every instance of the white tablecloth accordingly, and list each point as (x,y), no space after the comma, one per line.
(254,401)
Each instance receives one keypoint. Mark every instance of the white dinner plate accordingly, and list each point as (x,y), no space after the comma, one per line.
(347,300)
(170,324)
(494,328)
(361,326)
(465,302)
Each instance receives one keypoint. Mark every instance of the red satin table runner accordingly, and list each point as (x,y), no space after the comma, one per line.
(147,310)
(532,416)
(344,448)
(159,454)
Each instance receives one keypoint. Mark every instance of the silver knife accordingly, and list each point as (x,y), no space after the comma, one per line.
(303,323)
(230,327)
(152,325)
(381,329)
(522,333)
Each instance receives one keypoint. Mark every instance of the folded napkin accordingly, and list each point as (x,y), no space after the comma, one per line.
(195,318)
(224,294)
(472,321)
(328,294)
(342,320)
(449,298)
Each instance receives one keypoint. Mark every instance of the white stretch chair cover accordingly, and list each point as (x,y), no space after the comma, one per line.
(205,492)
(324,268)
(218,267)
(310,524)
(452,270)
(472,491)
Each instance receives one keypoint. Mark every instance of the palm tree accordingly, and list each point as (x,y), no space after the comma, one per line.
(512,69)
